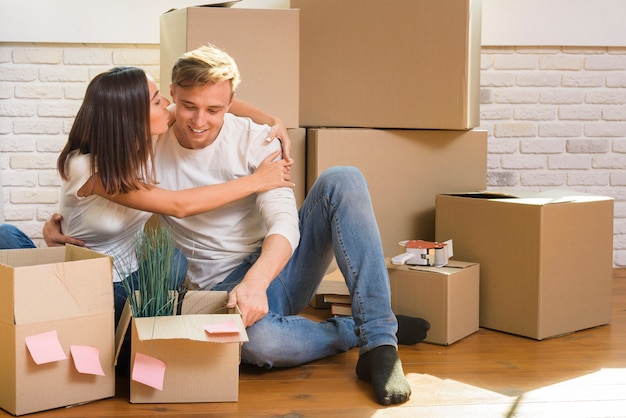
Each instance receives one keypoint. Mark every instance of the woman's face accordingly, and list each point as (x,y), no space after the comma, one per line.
(159,115)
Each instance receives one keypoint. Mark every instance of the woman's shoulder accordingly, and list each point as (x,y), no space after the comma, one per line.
(78,164)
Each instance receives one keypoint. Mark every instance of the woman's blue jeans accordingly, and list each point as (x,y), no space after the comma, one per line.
(13,238)
(337,219)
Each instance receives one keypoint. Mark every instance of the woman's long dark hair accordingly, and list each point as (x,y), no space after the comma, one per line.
(113,127)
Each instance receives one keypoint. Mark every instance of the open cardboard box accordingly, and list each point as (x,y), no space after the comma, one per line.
(197,366)
(65,293)
(545,258)
(447,297)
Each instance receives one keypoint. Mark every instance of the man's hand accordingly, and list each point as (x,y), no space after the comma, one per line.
(53,236)
(251,297)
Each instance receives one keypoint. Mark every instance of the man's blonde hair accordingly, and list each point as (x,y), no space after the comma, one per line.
(205,65)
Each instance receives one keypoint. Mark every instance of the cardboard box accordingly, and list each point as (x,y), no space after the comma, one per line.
(411,64)
(447,297)
(63,290)
(545,258)
(200,367)
(405,170)
(265,43)
(298,170)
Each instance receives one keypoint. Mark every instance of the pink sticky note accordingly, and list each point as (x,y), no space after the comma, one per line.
(228,327)
(87,359)
(45,347)
(148,370)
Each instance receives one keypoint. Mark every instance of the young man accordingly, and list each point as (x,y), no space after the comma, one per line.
(269,256)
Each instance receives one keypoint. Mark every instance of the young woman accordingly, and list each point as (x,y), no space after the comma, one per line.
(109,191)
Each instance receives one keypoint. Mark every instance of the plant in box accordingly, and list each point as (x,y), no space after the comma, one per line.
(151,290)
(196,339)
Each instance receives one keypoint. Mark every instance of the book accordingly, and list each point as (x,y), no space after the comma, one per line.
(342,299)
(341,309)
(332,284)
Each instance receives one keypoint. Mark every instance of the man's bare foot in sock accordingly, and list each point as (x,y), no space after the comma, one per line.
(383,368)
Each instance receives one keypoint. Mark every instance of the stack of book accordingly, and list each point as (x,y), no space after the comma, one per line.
(333,294)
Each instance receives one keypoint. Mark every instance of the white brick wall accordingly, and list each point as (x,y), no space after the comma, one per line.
(41,88)
(556,118)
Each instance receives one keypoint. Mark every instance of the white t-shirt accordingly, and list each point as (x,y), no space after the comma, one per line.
(105,226)
(215,242)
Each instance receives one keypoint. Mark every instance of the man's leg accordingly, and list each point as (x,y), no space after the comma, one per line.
(336,218)
(338,214)
(13,238)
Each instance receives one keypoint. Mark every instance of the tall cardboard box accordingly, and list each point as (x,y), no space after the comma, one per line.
(200,367)
(67,290)
(405,170)
(265,43)
(447,297)
(545,258)
(411,64)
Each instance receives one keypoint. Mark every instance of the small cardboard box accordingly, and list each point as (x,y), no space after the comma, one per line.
(412,64)
(405,169)
(199,366)
(62,290)
(265,43)
(447,297)
(545,258)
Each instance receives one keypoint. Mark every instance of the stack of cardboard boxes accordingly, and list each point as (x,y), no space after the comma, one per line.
(393,89)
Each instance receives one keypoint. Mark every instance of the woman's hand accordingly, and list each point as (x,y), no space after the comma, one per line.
(272,174)
(280,132)
(53,236)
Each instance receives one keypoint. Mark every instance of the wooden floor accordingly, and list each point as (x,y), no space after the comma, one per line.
(487,374)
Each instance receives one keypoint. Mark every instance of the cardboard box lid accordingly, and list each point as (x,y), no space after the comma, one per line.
(546,197)
(452,267)
(189,327)
(69,281)
(199,308)
(216,3)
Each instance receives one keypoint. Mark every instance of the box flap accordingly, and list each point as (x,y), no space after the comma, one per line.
(188,327)
(452,267)
(531,197)
(204,302)
(6,294)
(216,3)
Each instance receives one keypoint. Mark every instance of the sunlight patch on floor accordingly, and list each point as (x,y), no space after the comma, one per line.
(600,394)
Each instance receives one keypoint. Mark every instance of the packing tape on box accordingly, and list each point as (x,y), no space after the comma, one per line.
(424,253)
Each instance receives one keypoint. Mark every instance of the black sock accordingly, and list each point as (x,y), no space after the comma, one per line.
(382,367)
(411,330)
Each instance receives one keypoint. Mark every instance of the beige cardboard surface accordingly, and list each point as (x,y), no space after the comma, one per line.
(405,170)
(265,43)
(390,64)
(199,367)
(447,297)
(546,262)
(67,290)
(298,170)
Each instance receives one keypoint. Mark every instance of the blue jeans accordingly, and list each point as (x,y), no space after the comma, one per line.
(13,238)
(337,219)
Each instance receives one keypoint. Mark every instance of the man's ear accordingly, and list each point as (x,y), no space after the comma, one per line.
(230,102)
(172,93)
